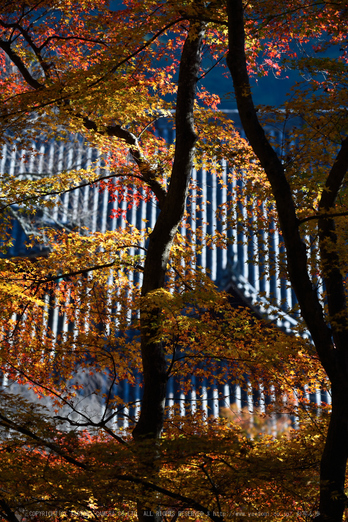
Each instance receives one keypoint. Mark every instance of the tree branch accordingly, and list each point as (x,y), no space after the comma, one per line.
(149,174)
(332,273)
(65,191)
(8,423)
(7,512)
(335,178)
(324,215)
(187,501)
(37,50)
(77,272)
(18,62)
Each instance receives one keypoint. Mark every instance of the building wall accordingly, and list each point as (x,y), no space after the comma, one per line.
(238,264)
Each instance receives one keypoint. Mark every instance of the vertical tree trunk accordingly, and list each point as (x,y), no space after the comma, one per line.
(150,423)
(331,340)
(333,501)
(155,374)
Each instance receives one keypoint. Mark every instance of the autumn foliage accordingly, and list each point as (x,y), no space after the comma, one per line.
(132,304)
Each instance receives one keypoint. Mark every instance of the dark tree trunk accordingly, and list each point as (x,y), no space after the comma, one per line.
(150,423)
(331,340)
(334,459)
(155,372)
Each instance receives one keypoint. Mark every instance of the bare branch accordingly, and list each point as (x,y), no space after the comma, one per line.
(335,178)
(18,62)
(8,423)
(324,215)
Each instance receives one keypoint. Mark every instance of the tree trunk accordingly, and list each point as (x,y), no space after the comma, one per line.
(150,423)
(331,340)
(155,374)
(334,459)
